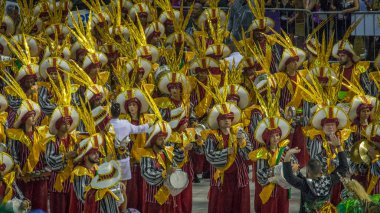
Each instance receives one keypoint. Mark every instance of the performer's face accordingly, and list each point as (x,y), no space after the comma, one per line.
(30,121)
(133,108)
(197,10)
(202,76)
(225,123)
(65,126)
(329,128)
(365,113)
(29,83)
(93,157)
(93,71)
(160,142)
(175,93)
(292,66)
(275,138)
(343,58)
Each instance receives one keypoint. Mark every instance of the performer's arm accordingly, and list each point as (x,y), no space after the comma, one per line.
(13,149)
(44,101)
(179,154)
(55,160)
(80,186)
(263,172)
(151,175)
(218,158)
(17,192)
(256,117)
(246,148)
(375,168)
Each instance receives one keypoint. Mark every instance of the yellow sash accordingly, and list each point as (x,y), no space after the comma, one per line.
(163,192)
(8,180)
(66,173)
(3,120)
(100,193)
(82,171)
(219,173)
(35,148)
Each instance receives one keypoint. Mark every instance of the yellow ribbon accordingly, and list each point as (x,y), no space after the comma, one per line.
(66,173)
(328,208)
(203,105)
(8,180)
(268,189)
(109,139)
(219,173)
(3,120)
(162,195)
(81,171)
(100,193)
(35,148)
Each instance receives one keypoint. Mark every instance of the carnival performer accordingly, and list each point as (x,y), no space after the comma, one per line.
(101,198)
(157,164)
(86,161)
(360,114)
(84,172)
(226,149)
(61,146)
(288,79)
(26,76)
(26,143)
(271,132)
(351,67)
(11,195)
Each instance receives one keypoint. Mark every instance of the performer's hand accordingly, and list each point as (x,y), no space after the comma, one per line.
(230,150)
(19,173)
(25,205)
(189,147)
(334,140)
(171,170)
(372,152)
(70,155)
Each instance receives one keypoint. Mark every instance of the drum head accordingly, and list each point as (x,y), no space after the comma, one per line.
(179,179)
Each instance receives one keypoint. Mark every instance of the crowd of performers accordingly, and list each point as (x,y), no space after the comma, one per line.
(79,99)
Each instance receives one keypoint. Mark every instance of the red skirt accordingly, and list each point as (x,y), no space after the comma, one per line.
(135,189)
(229,197)
(197,160)
(60,202)
(76,206)
(277,203)
(184,200)
(36,192)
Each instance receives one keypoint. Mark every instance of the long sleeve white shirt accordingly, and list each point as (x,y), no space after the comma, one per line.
(124,128)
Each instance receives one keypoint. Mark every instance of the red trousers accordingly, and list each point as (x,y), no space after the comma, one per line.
(277,203)
(59,202)
(135,189)
(36,192)
(298,140)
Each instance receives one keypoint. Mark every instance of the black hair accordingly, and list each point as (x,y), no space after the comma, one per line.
(115,110)
(314,166)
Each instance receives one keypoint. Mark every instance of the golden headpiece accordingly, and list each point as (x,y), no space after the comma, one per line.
(83,34)
(29,20)
(260,22)
(290,51)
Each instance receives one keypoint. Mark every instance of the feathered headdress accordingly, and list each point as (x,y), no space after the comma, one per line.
(83,34)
